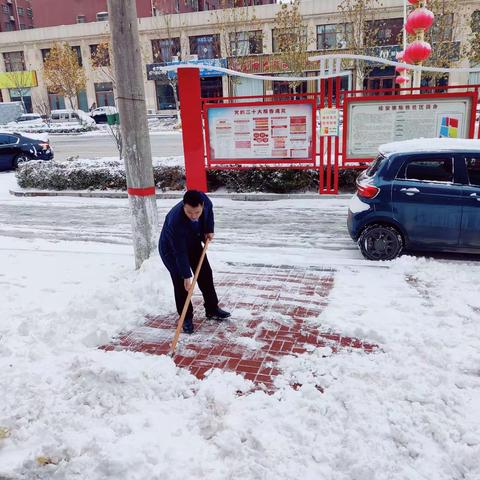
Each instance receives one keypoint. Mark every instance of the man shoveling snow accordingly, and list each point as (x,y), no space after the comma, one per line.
(187,224)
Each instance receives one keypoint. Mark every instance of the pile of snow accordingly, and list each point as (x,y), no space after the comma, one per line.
(411,410)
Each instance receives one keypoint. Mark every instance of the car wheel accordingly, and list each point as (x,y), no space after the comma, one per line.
(21,158)
(380,242)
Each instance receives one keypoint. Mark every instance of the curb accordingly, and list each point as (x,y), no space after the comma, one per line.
(167,195)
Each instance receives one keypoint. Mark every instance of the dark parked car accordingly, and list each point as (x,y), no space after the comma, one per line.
(16,148)
(419,195)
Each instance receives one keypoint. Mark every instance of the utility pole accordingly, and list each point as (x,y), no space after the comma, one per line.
(137,151)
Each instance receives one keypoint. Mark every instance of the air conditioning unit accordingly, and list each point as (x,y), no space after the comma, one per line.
(174,58)
(10,2)
(12,18)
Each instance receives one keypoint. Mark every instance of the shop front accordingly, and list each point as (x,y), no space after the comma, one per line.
(211,81)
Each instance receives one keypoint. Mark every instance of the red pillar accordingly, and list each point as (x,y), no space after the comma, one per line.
(192,128)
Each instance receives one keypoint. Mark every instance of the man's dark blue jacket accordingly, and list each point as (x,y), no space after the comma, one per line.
(180,235)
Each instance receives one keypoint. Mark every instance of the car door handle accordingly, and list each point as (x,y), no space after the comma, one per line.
(410,191)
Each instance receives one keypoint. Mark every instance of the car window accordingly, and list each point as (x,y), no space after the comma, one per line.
(473,169)
(55,116)
(430,170)
(74,115)
(374,166)
(8,139)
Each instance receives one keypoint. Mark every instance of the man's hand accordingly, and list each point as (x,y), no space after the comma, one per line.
(209,236)
(187,283)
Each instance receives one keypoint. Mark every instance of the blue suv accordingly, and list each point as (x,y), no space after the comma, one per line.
(418,195)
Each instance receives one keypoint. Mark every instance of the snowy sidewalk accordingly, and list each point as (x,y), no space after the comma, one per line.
(273,315)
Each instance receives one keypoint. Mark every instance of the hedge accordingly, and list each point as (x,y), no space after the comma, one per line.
(110,174)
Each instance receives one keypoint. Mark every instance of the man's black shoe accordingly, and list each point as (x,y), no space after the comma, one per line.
(218,314)
(188,326)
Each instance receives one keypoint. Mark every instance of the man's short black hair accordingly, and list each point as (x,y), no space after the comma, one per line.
(193,198)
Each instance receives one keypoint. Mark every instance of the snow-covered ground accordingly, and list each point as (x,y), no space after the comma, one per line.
(409,411)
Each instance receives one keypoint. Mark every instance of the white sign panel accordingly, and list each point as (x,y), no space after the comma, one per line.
(329,120)
(262,131)
(372,123)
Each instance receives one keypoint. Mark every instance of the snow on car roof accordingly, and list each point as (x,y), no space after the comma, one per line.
(429,144)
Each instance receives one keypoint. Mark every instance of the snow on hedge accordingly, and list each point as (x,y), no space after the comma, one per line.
(95,174)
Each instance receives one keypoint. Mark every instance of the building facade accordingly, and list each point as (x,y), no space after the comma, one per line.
(251,47)
(15,15)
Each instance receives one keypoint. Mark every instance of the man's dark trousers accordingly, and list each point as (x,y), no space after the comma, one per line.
(205,283)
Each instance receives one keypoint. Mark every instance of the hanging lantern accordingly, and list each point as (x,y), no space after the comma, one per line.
(409,29)
(401,80)
(419,19)
(414,2)
(417,52)
(401,69)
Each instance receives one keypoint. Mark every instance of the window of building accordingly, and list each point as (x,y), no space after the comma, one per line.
(100,55)
(78,52)
(205,46)
(20,11)
(211,87)
(246,43)
(56,101)
(102,16)
(334,37)
(165,48)
(23,26)
(442,29)
(81,19)
(104,94)
(14,61)
(387,31)
(45,52)
(9,26)
(281,38)
(29,12)
(165,96)
(5,9)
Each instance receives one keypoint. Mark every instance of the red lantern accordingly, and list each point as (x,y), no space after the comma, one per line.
(400,69)
(420,19)
(401,80)
(417,52)
(413,2)
(409,29)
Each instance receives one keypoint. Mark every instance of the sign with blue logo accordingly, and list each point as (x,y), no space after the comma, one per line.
(155,72)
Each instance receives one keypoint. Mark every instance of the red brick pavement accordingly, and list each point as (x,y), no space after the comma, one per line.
(275,312)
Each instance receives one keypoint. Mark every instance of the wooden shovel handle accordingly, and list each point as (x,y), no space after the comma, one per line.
(187,301)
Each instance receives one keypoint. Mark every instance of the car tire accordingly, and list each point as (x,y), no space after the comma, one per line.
(20,158)
(380,242)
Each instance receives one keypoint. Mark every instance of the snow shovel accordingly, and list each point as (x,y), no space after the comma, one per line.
(187,301)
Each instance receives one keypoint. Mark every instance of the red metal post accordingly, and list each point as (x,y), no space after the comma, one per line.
(191,115)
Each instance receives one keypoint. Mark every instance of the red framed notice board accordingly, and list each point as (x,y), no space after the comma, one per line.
(262,132)
(372,121)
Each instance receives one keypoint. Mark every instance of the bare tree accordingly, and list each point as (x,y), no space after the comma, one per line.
(167,49)
(446,27)
(291,37)
(102,58)
(63,73)
(238,37)
(363,33)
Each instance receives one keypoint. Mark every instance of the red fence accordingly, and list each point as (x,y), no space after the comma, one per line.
(328,154)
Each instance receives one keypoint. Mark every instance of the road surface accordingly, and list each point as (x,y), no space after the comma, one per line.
(64,146)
